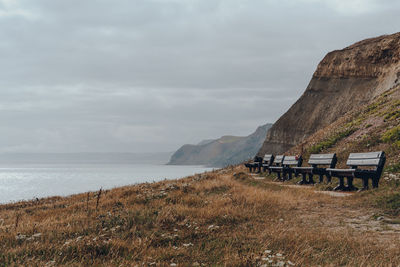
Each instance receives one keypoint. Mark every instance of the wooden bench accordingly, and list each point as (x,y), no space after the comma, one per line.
(372,163)
(285,168)
(256,164)
(316,162)
(267,162)
(277,163)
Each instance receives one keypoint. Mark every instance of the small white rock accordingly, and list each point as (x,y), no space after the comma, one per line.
(37,235)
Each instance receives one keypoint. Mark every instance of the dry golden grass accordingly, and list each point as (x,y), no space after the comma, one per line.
(215,218)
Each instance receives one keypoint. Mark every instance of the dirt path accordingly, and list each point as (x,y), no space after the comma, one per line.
(330,193)
(340,215)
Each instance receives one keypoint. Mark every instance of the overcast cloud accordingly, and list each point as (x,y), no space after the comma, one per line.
(143,75)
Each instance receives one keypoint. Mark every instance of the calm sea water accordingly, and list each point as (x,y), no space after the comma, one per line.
(28,181)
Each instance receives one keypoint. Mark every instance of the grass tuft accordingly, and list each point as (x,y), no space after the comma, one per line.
(389,203)
(392,136)
(331,141)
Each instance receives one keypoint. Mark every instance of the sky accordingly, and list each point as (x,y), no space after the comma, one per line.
(152,75)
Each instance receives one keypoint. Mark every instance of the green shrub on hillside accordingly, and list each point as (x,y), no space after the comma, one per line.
(392,115)
(390,203)
(392,136)
(331,141)
(394,168)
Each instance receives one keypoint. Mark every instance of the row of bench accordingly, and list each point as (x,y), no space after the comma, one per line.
(364,166)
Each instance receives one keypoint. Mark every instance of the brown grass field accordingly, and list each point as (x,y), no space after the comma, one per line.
(220,218)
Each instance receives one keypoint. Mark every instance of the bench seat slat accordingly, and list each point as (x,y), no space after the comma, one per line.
(290,162)
(320,161)
(363,162)
(322,156)
(340,170)
(367,155)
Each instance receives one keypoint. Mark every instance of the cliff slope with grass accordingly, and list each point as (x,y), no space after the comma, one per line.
(370,127)
(344,80)
(221,152)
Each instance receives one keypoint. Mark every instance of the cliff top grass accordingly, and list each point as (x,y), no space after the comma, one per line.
(225,217)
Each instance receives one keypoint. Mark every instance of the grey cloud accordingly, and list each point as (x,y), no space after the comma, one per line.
(152,75)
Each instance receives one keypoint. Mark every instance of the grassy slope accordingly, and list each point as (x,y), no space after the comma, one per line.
(223,217)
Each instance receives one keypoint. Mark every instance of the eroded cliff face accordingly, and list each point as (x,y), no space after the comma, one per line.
(344,80)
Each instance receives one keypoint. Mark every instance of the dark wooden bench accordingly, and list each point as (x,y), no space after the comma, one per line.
(256,164)
(277,163)
(285,168)
(267,162)
(316,162)
(372,164)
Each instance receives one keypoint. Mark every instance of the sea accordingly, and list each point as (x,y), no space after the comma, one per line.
(31,176)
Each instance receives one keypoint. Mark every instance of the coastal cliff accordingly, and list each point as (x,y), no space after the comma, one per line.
(222,151)
(344,80)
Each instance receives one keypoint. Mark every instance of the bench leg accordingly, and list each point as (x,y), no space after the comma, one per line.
(341,186)
(329,178)
(303,179)
(311,179)
(279,175)
(375,182)
(290,175)
(283,176)
(365,184)
(350,186)
(259,169)
(321,178)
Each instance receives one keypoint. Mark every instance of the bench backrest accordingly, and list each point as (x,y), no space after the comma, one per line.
(376,159)
(278,160)
(323,159)
(293,161)
(268,159)
(258,159)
